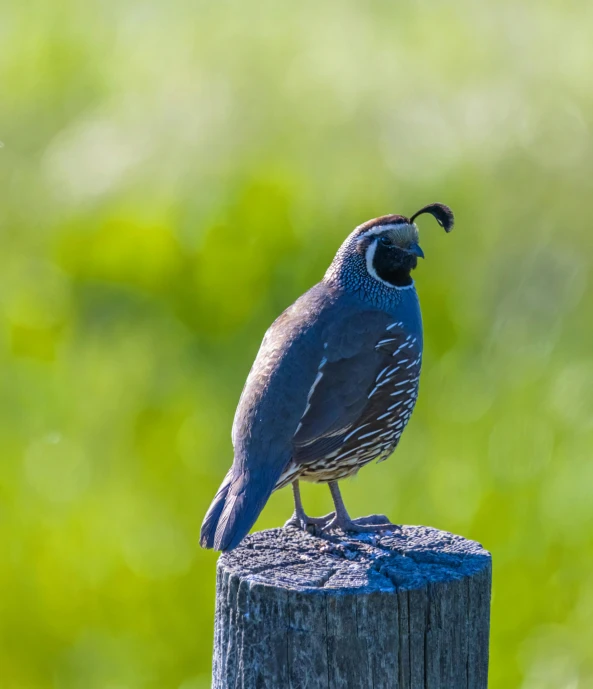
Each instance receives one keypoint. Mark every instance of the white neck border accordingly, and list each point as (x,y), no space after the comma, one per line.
(370,256)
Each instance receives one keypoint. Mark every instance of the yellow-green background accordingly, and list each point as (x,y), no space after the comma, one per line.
(172,175)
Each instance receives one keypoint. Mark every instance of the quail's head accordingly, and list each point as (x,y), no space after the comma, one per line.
(390,244)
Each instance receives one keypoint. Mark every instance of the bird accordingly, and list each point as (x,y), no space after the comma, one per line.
(333,385)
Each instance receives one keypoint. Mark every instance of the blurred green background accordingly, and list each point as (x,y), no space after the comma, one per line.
(172,176)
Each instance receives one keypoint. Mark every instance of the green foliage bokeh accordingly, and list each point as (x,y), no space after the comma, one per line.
(172,176)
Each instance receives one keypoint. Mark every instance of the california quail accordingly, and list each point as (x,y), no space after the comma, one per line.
(333,385)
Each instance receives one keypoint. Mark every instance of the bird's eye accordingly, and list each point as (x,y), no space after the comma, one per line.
(385,240)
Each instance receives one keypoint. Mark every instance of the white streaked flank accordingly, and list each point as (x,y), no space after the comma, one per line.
(381,373)
(358,428)
(368,435)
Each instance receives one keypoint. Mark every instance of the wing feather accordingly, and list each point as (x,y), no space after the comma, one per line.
(352,391)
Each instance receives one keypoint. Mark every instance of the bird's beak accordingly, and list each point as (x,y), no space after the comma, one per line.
(416,250)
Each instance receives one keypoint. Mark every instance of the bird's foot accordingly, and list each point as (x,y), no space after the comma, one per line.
(370,524)
(310,524)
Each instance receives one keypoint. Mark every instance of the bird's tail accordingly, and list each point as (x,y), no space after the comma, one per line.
(235,509)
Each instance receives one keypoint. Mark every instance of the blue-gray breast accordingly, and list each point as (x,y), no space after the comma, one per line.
(333,385)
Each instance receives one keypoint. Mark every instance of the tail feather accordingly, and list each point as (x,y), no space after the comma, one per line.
(235,509)
(210,522)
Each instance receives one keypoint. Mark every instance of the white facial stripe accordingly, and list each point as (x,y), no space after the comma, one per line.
(380,229)
(370,255)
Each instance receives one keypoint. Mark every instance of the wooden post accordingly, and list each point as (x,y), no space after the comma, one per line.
(408,610)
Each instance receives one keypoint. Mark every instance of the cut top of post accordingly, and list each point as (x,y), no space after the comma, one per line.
(407,560)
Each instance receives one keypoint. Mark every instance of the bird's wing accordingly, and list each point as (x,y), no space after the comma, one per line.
(275,393)
(355,382)
(268,413)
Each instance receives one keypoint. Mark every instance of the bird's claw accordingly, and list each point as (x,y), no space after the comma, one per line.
(370,524)
(309,524)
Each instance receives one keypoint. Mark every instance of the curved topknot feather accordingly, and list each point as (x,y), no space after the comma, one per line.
(441,213)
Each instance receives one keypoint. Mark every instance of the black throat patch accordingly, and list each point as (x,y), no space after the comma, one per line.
(393,265)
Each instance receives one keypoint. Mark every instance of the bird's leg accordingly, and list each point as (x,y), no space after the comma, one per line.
(374,522)
(299,519)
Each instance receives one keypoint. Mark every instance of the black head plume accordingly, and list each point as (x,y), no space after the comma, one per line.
(441,213)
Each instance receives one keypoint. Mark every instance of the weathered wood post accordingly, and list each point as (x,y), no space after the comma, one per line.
(407,610)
